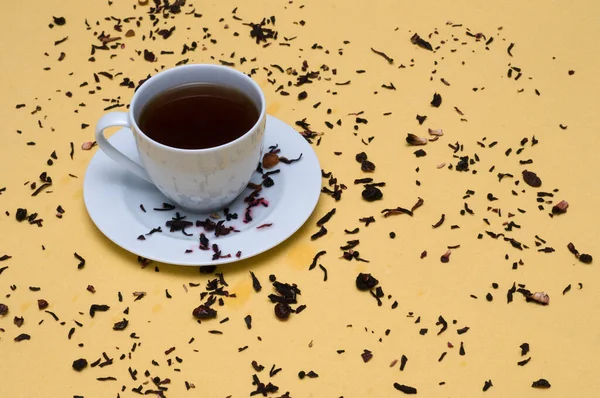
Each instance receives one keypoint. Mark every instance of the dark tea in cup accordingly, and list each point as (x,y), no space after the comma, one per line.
(198,116)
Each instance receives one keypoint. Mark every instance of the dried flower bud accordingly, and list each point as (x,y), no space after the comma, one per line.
(415,140)
(270,160)
(439,166)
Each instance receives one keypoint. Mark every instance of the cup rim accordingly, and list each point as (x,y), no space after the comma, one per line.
(179,69)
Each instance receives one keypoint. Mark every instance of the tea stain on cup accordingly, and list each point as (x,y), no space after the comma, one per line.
(157,308)
(273,108)
(24,306)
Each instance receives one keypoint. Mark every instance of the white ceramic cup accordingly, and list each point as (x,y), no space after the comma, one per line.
(198,180)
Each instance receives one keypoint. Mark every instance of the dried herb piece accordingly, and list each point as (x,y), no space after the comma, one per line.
(405,389)
(585,258)
(398,210)
(412,139)
(42,304)
(81,260)
(204,312)
(121,325)
(149,56)
(560,208)
(366,355)
(384,55)
(255,282)
(21,214)
(487,384)
(282,310)
(416,40)
(437,100)
(248,321)
(539,297)
(18,321)
(531,179)
(524,349)
(3,309)
(367,166)
(445,257)
(419,203)
(541,383)
(59,21)
(509,49)
(366,282)
(572,249)
(367,220)
(441,321)
(98,308)
(440,222)
(165,207)
(80,364)
(320,233)
(324,272)
(524,362)
(315,258)
(22,336)
(326,217)
(403,361)
(371,193)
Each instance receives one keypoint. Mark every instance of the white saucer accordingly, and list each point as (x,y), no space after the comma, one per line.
(113,197)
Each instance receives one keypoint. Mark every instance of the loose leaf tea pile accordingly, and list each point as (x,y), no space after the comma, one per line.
(451,252)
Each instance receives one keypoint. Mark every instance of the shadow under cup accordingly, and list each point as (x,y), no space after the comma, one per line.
(200,180)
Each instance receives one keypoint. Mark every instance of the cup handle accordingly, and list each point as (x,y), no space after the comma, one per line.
(117,119)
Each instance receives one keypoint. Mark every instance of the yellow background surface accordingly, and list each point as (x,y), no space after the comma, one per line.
(551,38)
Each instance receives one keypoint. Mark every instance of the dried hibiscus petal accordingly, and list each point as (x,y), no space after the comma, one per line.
(366,282)
(204,312)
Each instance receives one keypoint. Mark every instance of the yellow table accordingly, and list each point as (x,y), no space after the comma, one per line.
(550,39)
